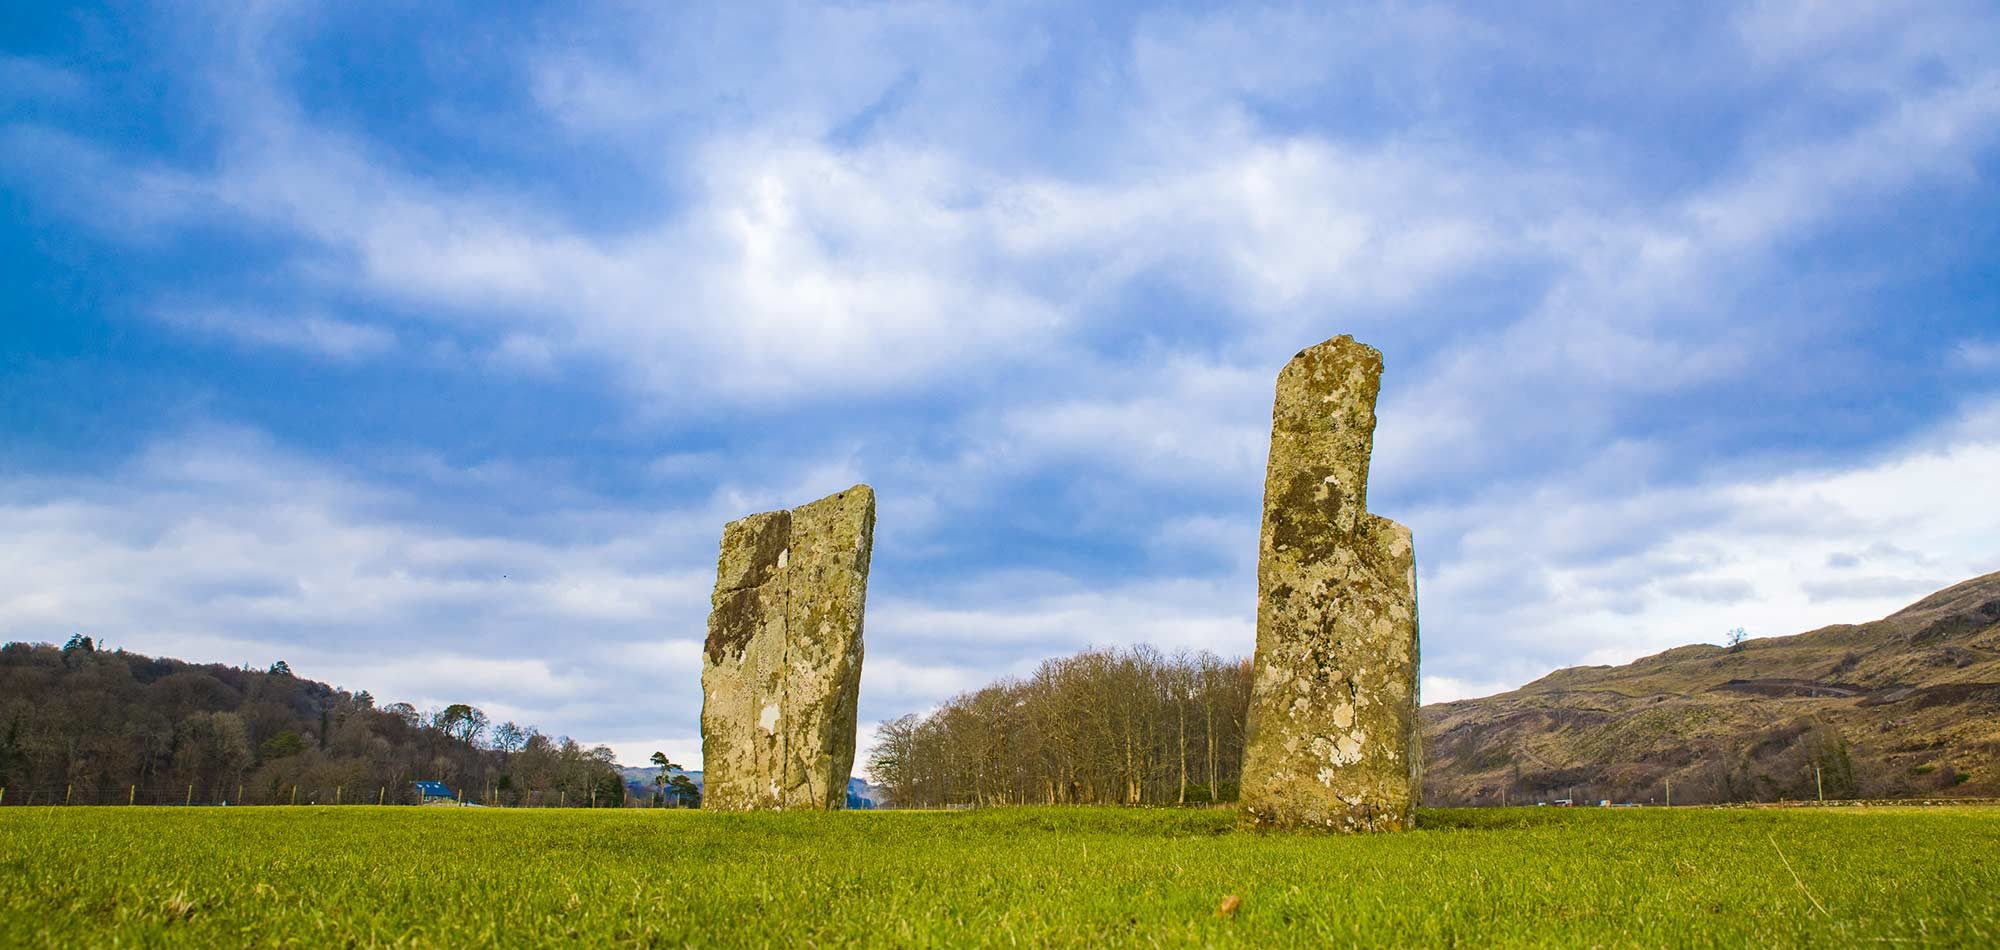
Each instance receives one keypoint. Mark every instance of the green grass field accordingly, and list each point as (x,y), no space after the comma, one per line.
(1075,876)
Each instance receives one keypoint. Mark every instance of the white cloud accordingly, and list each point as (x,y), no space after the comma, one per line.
(68,173)
(889,682)
(1182,422)
(1445,689)
(309,333)
(1977,354)
(842,205)
(24,79)
(215,546)
(1032,615)
(502,687)
(665,660)
(1538,579)
(1868,48)
(1276,226)
(796,269)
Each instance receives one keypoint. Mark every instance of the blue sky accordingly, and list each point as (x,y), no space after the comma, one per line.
(428,346)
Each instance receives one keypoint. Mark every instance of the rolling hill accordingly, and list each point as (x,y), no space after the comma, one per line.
(1908,705)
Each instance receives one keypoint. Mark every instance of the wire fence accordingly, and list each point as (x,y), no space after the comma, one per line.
(244,793)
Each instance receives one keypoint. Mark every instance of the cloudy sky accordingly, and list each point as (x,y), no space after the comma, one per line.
(428,346)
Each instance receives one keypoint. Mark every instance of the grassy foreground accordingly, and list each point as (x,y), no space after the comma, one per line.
(1074,876)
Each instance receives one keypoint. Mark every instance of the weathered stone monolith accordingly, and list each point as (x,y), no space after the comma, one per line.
(1333,734)
(782,668)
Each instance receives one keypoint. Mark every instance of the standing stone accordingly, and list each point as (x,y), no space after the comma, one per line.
(782,668)
(1333,734)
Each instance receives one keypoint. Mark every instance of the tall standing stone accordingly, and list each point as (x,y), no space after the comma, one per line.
(1333,734)
(781,672)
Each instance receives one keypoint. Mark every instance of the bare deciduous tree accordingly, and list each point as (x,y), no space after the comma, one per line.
(1133,727)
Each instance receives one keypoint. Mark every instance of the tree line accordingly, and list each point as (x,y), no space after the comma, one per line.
(1132,727)
(111,726)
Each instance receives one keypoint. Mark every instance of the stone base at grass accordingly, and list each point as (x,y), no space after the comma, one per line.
(1333,733)
(781,670)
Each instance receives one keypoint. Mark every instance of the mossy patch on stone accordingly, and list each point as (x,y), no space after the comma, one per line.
(1333,728)
(782,665)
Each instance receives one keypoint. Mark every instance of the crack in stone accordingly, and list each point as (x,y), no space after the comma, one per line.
(784,655)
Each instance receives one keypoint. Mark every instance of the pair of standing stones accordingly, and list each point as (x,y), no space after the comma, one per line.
(1333,730)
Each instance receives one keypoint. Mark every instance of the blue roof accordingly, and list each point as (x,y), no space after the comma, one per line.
(433,789)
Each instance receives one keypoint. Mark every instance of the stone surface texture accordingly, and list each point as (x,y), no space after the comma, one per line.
(782,669)
(1333,735)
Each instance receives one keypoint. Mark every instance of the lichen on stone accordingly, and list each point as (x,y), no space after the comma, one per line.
(1333,729)
(782,665)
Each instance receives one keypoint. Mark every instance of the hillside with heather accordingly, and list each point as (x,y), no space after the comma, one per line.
(1904,706)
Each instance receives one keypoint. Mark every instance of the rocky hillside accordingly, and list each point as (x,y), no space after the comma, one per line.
(1904,706)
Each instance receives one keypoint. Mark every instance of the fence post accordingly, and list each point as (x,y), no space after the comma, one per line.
(461,794)
(133,798)
(593,797)
(239,793)
(337,793)
(382,796)
(295,794)
(68,792)
(562,801)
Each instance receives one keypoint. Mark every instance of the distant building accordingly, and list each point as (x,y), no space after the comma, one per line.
(428,791)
